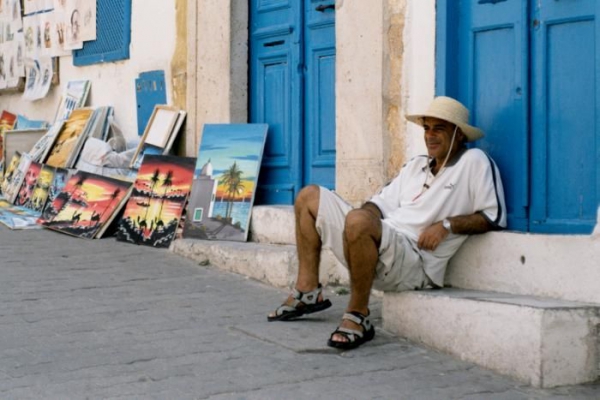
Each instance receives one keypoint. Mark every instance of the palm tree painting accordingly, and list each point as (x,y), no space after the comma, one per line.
(225,181)
(152,214)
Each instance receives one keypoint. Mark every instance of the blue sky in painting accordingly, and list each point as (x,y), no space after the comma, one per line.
(225,144)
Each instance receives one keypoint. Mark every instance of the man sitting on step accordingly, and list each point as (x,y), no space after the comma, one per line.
(402,238)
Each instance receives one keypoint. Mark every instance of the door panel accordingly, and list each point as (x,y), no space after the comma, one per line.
(292,88)
(492,71)
(275,96)
(565,128)
(319,106)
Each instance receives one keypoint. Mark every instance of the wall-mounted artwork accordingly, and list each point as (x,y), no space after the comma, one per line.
(225,180)
(155,206)
(87,203)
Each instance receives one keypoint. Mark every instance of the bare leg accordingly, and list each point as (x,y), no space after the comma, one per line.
(308,242)
(362,236)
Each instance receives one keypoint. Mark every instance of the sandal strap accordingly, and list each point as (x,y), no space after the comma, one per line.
(358,318)
(308,298)
(351,334)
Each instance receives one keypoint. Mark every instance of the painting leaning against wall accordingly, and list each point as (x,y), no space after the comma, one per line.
(225,181)
(152,213)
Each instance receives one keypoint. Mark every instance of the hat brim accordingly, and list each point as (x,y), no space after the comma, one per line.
(472,133)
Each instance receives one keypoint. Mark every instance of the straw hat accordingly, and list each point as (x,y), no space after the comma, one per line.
(452,111)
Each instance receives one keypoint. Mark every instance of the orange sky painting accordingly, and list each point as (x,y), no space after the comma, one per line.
(96,192)
(154,208)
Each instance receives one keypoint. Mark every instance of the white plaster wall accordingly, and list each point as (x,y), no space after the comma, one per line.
(152,45)
(359,103)
(419,68)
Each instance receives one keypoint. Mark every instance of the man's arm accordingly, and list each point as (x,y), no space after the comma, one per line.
(461,224)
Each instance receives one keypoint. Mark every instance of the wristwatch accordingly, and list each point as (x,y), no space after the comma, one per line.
(447,225)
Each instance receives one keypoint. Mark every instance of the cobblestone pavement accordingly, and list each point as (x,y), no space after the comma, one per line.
(93,319)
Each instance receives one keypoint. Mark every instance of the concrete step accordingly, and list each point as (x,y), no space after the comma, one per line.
(273,224)
(560,266)
(275,264)
(543,342)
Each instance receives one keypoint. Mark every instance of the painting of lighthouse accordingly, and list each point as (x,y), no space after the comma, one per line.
(224,182)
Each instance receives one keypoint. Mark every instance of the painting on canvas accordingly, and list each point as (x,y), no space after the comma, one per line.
(17,217)
(158,130)
(88,201)
(42,188)
(155,206)
(68,140)
(59,181)
(10,171)
(25,193)
(225,180)
(21,141)
(7,122)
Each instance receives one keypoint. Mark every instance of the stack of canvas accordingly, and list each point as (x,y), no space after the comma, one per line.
(27,188)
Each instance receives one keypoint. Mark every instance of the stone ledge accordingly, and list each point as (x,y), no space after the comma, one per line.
(543,342)
(276,265)
(557,266)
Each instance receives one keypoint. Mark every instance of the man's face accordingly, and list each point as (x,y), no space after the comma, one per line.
(438,135)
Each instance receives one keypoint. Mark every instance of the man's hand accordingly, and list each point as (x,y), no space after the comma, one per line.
(432,237)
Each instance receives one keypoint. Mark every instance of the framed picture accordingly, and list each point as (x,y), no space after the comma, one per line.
(158,129)
(21,140)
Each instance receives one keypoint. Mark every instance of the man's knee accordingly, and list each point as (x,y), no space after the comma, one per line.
(308,198)
(361,223)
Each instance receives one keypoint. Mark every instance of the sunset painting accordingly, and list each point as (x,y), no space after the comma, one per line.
(155,206)
(225,181)
(87,202)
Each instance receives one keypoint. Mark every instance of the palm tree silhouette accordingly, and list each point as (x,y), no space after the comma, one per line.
(167,183)
(232,178)
(113,196)
(154,179)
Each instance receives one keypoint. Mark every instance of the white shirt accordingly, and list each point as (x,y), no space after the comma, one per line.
(470,183)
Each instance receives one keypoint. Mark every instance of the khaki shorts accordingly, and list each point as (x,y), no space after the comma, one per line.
(400,266)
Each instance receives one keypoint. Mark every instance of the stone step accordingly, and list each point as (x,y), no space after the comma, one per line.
(564,267)
(561,266)
(543,342)
(275,264)
(273,224)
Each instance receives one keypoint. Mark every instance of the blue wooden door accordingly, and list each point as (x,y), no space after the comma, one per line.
(527,70)
(493,76)
(292,75)
(565,130)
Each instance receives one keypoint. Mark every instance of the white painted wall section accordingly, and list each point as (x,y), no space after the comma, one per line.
(153,38)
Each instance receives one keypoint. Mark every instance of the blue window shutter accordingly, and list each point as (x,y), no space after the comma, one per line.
(113,34)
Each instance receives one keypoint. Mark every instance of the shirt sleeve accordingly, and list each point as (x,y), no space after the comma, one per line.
(388,198)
